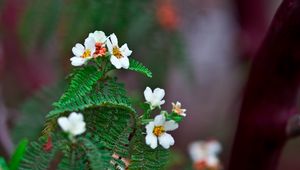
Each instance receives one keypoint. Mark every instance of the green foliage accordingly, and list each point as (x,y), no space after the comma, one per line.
(36,158)
(82,83)
(139,67)
(85,154)
(145,158)
(3,165)
(174,116)
(98,157)
(18,155)
(113,126)
(114,131)
(109,93)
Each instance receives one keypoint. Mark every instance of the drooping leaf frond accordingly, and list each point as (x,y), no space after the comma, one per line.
(18,155)
(73,159)
(113,126)
(145,158)
(36,158)
(139,67)
(98,157)
(107,94)
(82,82)
(85,155)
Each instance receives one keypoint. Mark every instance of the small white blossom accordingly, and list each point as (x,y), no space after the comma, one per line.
(205,152)
(83,53)
(155,98)
(119,56)
(98,36)
(100,39)
(156,131)
(73,124)
(177,109)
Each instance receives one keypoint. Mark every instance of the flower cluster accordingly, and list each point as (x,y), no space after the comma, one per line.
(157,128)
(205,155)
(96,45)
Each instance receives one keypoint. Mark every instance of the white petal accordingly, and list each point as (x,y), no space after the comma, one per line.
(77,61)
(91,35)
(159,120)
(166,140)
(125,62)
(213,147)
(149,128)
(116,62)
(148,94)
(196,151)
(151,140)
(109,46)
(64,123)
(170,125)
(78,129)
(159,93)
(78,49)
(125,50)
(99,36)
(75,117)
(212,161)
(89,43)
(114,39)
(162,102)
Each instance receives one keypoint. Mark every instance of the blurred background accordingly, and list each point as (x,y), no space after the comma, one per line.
(199,51)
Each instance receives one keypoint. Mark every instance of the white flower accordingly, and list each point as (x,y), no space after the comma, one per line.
(206,151)
(119,56)
(74,124)
(154,98)
(98,36)
(156,130)
(177,109)
(100,39)
(83,53)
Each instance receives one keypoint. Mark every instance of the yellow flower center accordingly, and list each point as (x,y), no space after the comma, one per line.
(158,130)
(87,53)
(116,52)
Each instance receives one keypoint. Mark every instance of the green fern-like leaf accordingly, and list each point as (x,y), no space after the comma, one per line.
(3,165)
(106,94)
(18,155)
(145,158)
(73,159)
(139,67)
(36,158)
(98,157)
(113,126)
(82,82)
(85,154)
